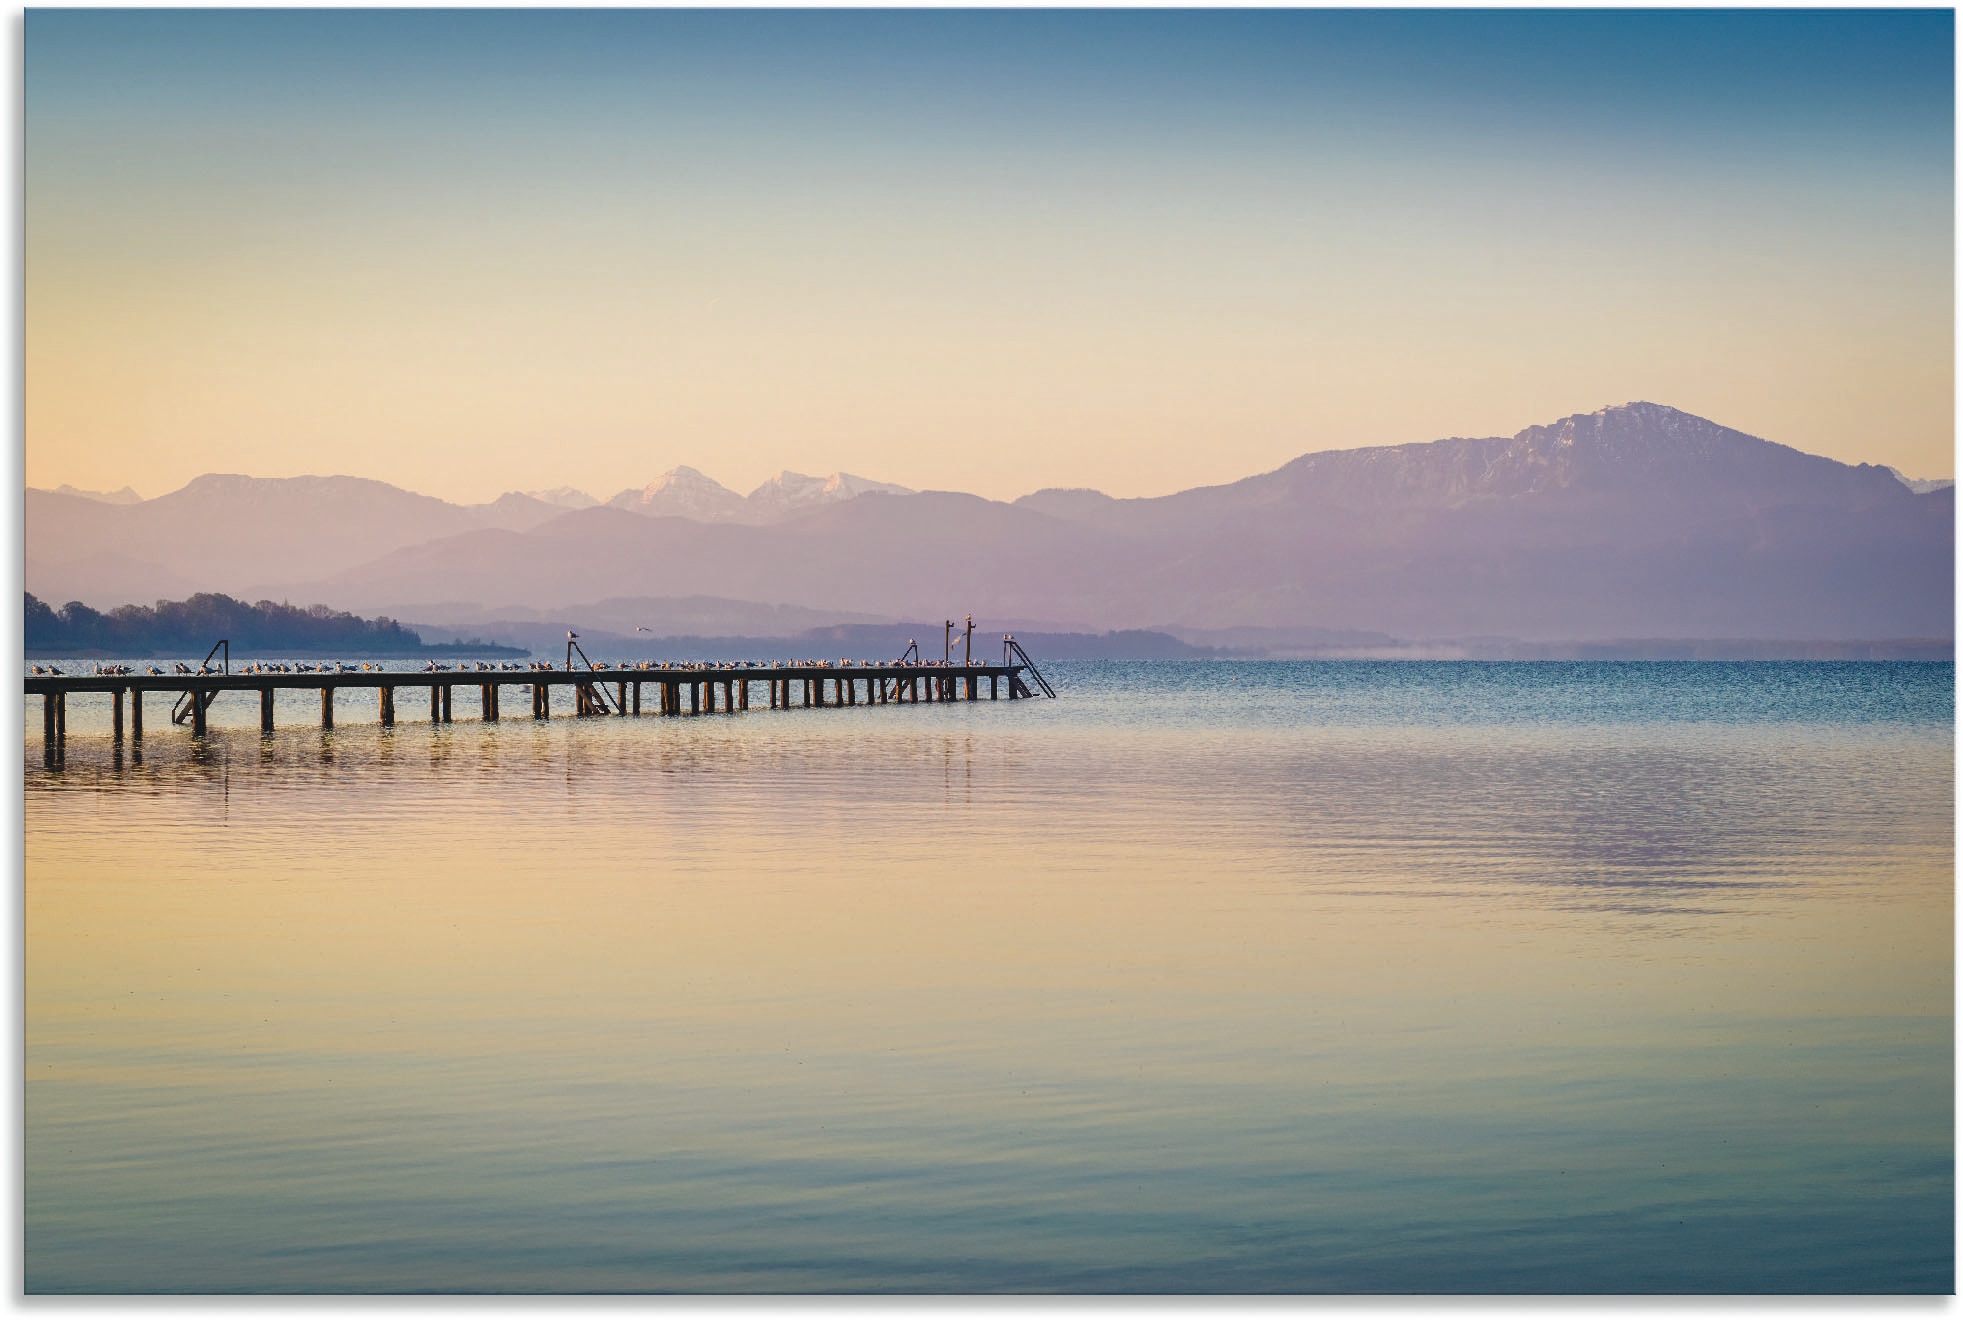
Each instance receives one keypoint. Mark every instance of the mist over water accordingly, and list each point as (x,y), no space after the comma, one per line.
(1206,977)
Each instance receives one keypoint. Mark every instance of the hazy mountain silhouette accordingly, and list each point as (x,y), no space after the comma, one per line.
(127,495)
(227,533)
(1634,521)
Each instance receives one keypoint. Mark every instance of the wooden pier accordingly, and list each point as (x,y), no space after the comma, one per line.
(628,690)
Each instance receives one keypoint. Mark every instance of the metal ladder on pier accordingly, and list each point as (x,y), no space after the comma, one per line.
(1009,644)
(595,691)
(183,710)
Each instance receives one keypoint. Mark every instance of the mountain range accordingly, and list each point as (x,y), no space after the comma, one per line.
(1634,521)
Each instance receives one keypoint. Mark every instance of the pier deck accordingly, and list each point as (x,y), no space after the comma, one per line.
(614,691)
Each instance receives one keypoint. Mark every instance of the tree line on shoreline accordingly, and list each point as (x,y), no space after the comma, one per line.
(189,627)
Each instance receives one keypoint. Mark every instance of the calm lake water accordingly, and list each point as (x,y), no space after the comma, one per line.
(1205,977)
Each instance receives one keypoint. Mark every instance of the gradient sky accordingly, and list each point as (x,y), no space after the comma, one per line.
(469,252)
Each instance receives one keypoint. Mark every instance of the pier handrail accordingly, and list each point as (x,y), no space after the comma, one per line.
(1011,644)
(599,689)
(182,710)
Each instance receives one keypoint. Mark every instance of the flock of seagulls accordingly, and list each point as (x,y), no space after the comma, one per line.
(267,667)
(509,666)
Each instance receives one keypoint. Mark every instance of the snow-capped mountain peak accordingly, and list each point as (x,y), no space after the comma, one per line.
(794,490)
(564,497)
(682,492)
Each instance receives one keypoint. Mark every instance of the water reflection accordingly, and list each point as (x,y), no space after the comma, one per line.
(1144,989)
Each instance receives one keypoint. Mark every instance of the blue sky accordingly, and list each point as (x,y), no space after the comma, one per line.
(1138,250)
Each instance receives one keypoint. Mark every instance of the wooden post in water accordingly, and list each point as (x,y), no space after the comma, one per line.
(435,704)
(265,710)
(116,716)
(388,706)
(620,706)
(637,696)
(743,693)
(136,714)
(198,704)
(695,698)
(48,735)
(327,708)
(448,689)
(487,697)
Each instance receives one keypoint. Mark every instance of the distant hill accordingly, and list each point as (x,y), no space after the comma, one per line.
(189,627)
(1634,521)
